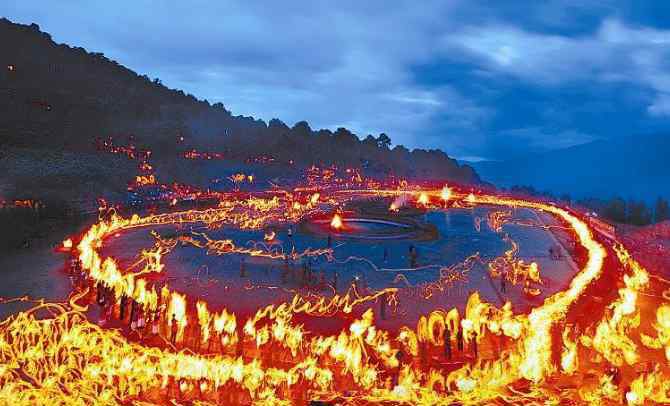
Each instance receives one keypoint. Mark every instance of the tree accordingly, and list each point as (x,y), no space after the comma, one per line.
(615,210)
(301,129)
(662,211)
(639,213)
(370,141)
(383,141)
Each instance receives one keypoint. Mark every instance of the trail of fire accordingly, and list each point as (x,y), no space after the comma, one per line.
(65,357)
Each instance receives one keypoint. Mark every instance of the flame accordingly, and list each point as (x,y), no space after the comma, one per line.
(67,244)
(445,193)
(423,198)
(336,222)
(227,359)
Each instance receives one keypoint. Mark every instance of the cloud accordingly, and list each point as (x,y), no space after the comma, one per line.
(614,53)
(503,78)
(660,106)
(541,139)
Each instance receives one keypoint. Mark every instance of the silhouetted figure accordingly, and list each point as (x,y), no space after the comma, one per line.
(173,337)
(615,374)
(122,307)
(447,344)
(132,312)
(473,345)
(503,284)
(284,274)
(330,241)
(240,339)
(304,272)
(155,324)
(100,297)
(423,353)
(459,339)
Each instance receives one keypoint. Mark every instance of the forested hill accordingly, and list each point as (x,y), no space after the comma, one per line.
(59,97)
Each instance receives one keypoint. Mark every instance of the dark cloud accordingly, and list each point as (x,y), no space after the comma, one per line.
(477,80)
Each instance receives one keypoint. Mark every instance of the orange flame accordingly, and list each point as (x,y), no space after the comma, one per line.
(336,222)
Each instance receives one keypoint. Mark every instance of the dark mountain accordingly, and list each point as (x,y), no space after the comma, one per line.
(630,167)
(62,98)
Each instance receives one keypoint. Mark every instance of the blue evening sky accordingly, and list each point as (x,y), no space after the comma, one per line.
(480,80)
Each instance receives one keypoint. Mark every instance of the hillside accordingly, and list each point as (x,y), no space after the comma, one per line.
(59,98)
(630,167)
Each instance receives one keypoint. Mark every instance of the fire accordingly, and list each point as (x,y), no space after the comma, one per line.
(662,327)
(336,222)
(67,244)
(445,194)
(269,357)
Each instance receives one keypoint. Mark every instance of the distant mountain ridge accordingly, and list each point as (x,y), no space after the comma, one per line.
(634,167)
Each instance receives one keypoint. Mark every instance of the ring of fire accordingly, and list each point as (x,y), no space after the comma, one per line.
(359,364)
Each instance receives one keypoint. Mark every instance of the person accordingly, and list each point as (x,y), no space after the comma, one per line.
(122,307)
(412,256)
(285,271)
(615,374)
(141,321)
(173,337)
(304,272)
(100,298)
(423,353)
(290,237)
(330,241)
(240,339)
(459,339)
(155,324)
(396,376)
(447,343)
(503,283)
(309,270)
(473,344)
(132,319)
